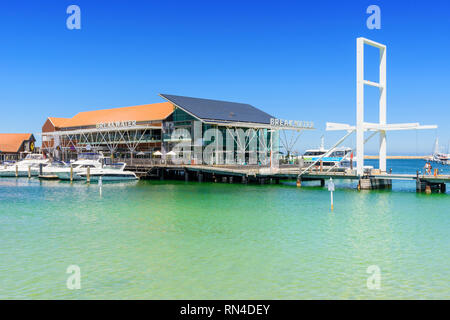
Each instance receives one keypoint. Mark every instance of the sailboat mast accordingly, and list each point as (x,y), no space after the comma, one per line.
(436,147)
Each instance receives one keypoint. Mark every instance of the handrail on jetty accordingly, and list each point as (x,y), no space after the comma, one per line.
(326,154)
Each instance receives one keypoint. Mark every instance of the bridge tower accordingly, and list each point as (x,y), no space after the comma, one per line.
(361,126)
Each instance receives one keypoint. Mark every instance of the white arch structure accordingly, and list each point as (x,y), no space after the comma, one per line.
(361,126)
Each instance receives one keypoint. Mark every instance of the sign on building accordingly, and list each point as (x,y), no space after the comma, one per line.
(296,124)
(116,124)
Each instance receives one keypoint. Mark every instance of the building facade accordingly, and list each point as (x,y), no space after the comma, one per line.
(15,146)
(118,132)
(191,129)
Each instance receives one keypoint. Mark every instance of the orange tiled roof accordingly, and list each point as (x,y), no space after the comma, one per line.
(58,122)
(146,112)
(11,142)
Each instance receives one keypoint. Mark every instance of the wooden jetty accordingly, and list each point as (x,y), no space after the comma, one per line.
(263,174)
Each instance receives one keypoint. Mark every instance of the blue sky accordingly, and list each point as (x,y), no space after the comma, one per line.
(293,59)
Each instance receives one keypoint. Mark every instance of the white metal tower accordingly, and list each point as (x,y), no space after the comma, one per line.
(361,126)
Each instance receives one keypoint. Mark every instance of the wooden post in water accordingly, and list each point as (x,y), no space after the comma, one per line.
(71,173)
(29,172)
(88,175)
(40,169)
(17,171)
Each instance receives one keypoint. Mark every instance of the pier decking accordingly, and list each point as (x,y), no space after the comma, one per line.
(263,174)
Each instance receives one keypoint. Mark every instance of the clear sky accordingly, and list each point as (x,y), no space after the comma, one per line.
(292,59)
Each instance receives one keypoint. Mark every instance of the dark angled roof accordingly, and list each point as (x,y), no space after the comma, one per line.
(206,109)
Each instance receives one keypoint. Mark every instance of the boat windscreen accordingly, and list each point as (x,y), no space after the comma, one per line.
(34,156)
(88,156)
(119,165)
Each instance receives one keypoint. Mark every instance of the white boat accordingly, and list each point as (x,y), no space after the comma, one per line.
(112,172)
(53,167)
(439,157)
(97,168)
(336,158)
(30,164)
(443,158)
(332,159)
(85,160)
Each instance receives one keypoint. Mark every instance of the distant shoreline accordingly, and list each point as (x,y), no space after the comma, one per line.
(398,157)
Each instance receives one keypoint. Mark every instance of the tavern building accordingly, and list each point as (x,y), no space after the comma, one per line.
(141,131)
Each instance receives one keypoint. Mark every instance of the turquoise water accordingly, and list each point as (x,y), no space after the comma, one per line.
(177,240)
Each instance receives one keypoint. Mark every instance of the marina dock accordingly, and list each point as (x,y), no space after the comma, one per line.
(206,133)
(262,175)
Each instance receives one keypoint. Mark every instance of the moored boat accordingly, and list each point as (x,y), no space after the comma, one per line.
(112,172)
(85,161)
(28,166)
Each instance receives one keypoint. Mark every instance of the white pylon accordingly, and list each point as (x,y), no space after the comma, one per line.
(362,126)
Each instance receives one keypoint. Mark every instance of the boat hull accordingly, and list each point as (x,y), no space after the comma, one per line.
(65,175)
(108,177)
(20,173)
(95,177)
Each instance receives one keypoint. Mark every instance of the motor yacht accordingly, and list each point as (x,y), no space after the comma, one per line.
(84,161)
(29,165)
(111,172)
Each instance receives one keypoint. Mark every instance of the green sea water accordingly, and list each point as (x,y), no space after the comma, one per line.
(177,240)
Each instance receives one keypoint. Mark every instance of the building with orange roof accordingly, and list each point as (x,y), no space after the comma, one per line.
(145,129)
(114,130)
(14,146)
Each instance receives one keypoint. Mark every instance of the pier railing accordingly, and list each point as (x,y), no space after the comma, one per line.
(250,168)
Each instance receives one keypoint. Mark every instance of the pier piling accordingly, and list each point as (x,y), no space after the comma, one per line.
(88,175)
(242,174)
(373,184)
(430,187)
